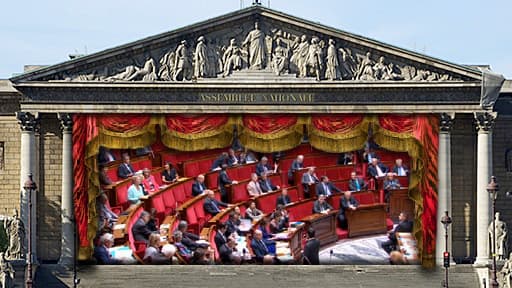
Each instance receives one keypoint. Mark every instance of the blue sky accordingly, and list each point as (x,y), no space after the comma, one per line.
(464,32)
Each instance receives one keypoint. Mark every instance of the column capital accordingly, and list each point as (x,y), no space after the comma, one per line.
(485,120)
(66,122)
(28,121)
(446,122)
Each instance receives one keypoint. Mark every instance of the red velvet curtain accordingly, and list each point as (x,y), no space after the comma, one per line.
(269,123)
(123,123)
(84,131)
(195,124)
(336,123)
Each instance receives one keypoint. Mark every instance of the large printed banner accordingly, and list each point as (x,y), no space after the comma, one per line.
(415,134)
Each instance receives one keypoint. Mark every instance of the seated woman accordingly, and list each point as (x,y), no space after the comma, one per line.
(267,235)
(149,181)
(280,208)
(182,249)
(135,192)
(277,224)
(169,175)
(252,212)
(153,254)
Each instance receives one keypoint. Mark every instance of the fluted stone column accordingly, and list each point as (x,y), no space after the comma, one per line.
(28,124)
(67,252)
(484,124)
(444,184)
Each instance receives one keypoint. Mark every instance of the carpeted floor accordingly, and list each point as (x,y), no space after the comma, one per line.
(357,251)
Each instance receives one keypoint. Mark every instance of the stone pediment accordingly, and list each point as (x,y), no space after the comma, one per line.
(253,44)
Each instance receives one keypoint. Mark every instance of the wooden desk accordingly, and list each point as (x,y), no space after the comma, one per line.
(399,201)
(324,225)
(366,220)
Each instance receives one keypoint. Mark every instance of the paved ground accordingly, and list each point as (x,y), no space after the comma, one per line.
(462,276)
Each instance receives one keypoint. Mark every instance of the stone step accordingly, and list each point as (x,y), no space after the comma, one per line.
(461,276)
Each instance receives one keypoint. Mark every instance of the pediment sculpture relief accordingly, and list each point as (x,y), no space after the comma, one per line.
(274,50)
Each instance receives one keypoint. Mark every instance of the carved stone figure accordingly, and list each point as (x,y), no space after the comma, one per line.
(200,59)
(133,73)
(332,71)
(182,63)
(256,41)
(348,66)
(214,63)
(166,66)
(300,56)
(280,59)
(16,232)
(232,58)
(6,273)
(501,236)
(314,62)
(365,70)
(506,273)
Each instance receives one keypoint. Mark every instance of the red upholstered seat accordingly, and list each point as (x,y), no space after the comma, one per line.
(364,197)
(201,216)
(179,194)
(239,193)
(389,223)
(335,201)
(112,173)
(342,234)
(267,202)
(191,169)
(157,202)
(205,165)
(169,201)
(187,188)
(122,195)
(294,194)
(193,223)
(211,179)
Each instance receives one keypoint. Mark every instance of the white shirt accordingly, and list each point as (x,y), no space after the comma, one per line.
(379,172)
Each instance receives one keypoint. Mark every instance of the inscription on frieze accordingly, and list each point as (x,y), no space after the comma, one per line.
(248,98)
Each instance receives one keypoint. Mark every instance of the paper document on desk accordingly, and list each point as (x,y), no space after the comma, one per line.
(283,235)
(119,226)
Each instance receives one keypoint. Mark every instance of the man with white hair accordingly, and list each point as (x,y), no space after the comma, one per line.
(297,164)
(253,187)
(198,186)
(101,252)
(308,179)
(263,168)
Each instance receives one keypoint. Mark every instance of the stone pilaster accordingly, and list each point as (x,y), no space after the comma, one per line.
(28,124)
(444,189)
(67,252)
(484,123)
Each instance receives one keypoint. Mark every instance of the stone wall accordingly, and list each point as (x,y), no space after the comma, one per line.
(463,152)
(49,194)
(10,172)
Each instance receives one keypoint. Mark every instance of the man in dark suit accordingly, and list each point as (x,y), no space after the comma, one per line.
(140,229)
(260,249)
(311,249)
(223,180)
(356,184)
(400,169)
(232,224)
(211,205)
(101,252)
(105,156)
(297,164)
(347,202)
(232,158)
(404,225)
(226,252)
(325,187)
(125,170)
(376,169)
(320,206)
(264,168)
(221,160)
(283,199)
(198,186)
(220,239)
(189,239)
(368,155)
(267,185)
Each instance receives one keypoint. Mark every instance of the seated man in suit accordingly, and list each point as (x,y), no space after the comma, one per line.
(356,184)
(404,225)
(377,170)
(211,205)
(347,202)
(189,239)
(297,164)
(252,212)
(260,249)
(101,252)
(105,214)
(264,168)
(221,160)
(391,183)
(105,156)
(232,158)
(267,185)
(125,169)
(140,230)
(226,252)
(198,186)
(308,179)
(311,249)
(325,187)
(400,169)
(149,181)
(283,199)
(253,187)
(232,224)
(103,177)
(220,239)
(320,206)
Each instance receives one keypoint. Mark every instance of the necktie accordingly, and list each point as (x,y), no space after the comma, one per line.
(358,187)
(268,185)
(264,247)
(201,187)
(326,189)
(216,207)
(310,178)
(129,169)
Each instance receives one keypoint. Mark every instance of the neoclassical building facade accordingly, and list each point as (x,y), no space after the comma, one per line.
(257,61)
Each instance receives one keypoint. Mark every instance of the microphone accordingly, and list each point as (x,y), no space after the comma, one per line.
(330,256)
